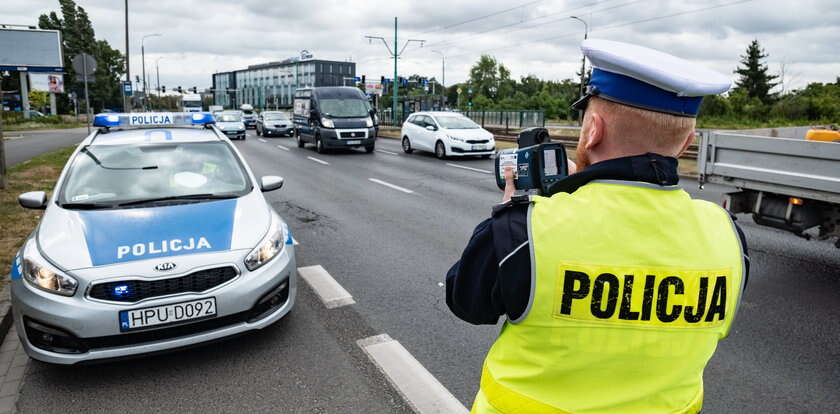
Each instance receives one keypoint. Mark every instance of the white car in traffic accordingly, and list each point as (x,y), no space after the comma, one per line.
(446,134)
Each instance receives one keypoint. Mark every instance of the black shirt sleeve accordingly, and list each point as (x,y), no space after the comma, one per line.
(493,276)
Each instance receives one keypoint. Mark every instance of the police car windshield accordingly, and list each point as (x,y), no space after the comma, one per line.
(109,175)
(456,122)
(345,108)
(228,118)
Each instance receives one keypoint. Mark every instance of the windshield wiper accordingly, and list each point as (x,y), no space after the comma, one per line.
(206,196)
(87,206)
(99,163)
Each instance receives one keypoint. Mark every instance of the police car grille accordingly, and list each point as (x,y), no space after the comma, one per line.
(138,290)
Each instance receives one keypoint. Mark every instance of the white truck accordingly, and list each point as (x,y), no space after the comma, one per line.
(786,183)
(249,117)
(191,102)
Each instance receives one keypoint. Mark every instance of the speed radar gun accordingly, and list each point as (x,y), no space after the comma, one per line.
(537,163)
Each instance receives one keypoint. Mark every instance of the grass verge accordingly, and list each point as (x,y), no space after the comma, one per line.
(38,174)
(34,126)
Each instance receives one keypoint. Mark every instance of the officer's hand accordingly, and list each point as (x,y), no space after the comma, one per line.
(572,166)
(510,187)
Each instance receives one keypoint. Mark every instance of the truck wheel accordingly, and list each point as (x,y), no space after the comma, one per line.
(299,140)
(369,149)
(440,150)
(319,145)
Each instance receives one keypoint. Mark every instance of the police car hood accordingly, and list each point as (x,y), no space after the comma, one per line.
(78,239)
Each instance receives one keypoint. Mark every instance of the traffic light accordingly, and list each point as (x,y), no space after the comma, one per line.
(163,89)
(194,89)
(382,80)
(363,79)
(469,101)
(179,90)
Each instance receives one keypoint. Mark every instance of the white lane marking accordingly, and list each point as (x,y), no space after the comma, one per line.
(423,392)
(387,152)
(261,140)
(318,161)
(464,167)
(330,292)
(283,148)
(395,187)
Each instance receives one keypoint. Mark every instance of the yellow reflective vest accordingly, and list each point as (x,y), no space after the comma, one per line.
(632,286)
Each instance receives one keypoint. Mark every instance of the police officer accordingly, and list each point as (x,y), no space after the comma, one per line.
(617,287)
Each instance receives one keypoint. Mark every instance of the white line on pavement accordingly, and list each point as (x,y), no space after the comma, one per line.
(330,292)
(318,161)
(261,140)
(387,152)
(469,168)
(283,148)
(395,187)
(417,385)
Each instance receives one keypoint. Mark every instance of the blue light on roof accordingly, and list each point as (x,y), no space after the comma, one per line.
(153,119)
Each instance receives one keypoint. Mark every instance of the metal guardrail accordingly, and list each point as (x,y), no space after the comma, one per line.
(514,119)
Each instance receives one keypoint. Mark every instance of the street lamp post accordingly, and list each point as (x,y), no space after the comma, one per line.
(442,69)
(583,58)
(143,58)
(157,77)
(395,53)
(582,62)
(127,99)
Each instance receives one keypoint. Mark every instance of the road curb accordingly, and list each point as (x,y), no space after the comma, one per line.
(6,312)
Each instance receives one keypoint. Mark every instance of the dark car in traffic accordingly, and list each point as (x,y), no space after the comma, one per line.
(334,118)
(272,123)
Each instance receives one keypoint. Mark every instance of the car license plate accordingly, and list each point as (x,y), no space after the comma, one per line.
(477,147)
(167,314)
(354,142)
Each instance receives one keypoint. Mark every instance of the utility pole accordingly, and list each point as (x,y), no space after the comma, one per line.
(396,55)
(126,99)
(157,77)
(582,62)
(143,58)
(442,72)
(2,143)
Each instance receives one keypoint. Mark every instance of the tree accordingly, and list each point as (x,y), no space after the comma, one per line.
(755,79)
(78,37)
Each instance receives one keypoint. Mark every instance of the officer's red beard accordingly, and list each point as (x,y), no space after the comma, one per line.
(581,156)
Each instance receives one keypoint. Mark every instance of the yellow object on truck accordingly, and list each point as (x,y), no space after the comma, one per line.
(824,135)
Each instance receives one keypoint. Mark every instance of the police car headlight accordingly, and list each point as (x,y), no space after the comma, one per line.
(327,123)
(269,248)
(46,277)
(369,122)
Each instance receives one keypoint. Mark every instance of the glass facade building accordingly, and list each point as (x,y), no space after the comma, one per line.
(272,85)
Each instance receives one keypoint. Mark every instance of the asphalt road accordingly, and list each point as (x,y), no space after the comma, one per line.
(23,145)
(387,226)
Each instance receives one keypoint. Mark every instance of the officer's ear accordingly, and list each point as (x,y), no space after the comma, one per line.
(595,131)
(688,140)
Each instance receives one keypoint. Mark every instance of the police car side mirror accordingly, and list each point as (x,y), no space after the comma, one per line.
(270,183)
(34,199)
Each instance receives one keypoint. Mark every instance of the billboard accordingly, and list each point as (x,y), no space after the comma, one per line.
(29,49)
(47,82)
(373,88)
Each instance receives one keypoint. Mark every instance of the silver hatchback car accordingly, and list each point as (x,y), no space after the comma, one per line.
(157,236)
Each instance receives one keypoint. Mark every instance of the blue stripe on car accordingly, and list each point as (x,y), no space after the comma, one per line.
(117,236)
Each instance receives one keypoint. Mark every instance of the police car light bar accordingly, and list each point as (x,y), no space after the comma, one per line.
(153,119)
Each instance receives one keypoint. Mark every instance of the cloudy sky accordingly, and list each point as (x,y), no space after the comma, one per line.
(530,37)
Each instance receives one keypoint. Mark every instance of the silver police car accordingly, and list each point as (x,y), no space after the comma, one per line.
(157,236)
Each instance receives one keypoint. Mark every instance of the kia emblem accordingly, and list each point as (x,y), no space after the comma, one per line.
(164,267)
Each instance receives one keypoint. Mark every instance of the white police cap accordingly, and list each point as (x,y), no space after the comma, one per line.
(649,79)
